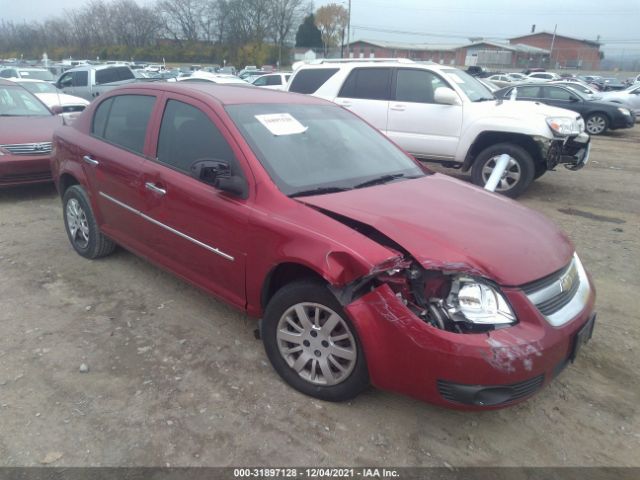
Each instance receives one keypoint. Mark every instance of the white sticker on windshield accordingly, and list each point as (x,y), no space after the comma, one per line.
(455,78)
(281,124)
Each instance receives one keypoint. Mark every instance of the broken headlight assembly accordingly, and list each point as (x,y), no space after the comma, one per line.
(452,302)
(477,302)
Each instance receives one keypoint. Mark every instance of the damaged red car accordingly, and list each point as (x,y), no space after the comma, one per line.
(363,266)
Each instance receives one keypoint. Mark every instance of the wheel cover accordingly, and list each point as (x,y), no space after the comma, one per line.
(316,343)
(77,224)
(510,177)
(596,124)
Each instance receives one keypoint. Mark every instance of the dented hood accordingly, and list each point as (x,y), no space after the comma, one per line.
(447,224)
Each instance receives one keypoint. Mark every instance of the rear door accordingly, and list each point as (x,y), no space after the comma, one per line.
(113,161)
(203,230)
(366,92)
(416,122)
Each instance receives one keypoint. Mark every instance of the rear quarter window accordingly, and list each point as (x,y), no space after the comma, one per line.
(309,81)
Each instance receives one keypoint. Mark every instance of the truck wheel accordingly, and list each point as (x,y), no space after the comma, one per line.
(516,178)
(312,344)
(596,124)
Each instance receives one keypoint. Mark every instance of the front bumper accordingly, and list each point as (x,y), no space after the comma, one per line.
(623,121)
(572,152)
(24,169)
(406,355)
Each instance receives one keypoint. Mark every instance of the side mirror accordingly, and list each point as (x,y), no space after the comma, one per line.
(446,96)
(57,109)
(573,99)
(218,174)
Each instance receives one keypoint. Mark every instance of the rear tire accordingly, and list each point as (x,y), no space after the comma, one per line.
(312,344)
(82,228)
(518,176)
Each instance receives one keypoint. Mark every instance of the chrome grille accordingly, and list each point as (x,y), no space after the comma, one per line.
(42,148)
(561,295)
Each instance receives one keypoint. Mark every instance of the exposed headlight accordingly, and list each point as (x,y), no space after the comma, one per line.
(478,303)
(563,125)
(624,111)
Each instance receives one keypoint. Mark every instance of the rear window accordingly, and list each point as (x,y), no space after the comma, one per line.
(115,74)
(309,81)
(367,83)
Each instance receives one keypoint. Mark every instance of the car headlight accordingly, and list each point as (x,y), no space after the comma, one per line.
(563,125)
(624,111)
(478,303)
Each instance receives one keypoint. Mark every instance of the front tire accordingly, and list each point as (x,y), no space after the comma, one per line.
(596,124)
(516,178)
(82,228)
(312,344)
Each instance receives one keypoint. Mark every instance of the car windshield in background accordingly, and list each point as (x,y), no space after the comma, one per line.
(319,149)
(39,87)
(475,90)
(17,102)
(37,75)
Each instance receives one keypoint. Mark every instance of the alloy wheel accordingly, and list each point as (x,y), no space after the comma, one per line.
(596,125)
(510,177)
(77,223)
(316,343)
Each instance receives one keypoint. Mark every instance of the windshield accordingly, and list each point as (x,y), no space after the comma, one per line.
(309,149)
(37,75)
(39,87)
(17,102)
(475,90)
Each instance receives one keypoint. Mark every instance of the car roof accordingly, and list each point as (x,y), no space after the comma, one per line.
(9,83)
(401,62)
(225,94)
(95,67)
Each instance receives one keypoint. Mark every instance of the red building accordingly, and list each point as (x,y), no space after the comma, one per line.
(566,52)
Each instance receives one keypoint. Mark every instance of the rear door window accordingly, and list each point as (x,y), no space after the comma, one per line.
(309,81)
(367,83)
(187,135)
(106,75)
(273,80)
(123,120)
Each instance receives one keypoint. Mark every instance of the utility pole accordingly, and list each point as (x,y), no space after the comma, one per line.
(553,40)
(349,31)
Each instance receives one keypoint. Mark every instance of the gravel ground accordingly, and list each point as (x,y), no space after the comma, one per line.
(115,362)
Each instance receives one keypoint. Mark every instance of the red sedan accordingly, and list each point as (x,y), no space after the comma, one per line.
(363,266)
(26,129)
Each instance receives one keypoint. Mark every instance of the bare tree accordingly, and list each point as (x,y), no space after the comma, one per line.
(287,14)
(182,18)
(331,20)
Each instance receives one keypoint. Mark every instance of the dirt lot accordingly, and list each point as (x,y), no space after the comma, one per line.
(177,378)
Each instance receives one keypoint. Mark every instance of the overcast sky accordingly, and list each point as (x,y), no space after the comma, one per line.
(449,22)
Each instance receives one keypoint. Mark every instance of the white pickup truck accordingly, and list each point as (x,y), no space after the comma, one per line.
(440,113)
(89,81)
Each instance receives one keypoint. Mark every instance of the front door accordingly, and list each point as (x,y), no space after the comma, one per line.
(418,124)
(203,235)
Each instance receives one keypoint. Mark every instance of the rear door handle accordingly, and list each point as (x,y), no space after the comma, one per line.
(155,188)
(343,103)
(398,108)
(90,161)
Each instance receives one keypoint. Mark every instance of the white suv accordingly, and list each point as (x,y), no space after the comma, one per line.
(442,114)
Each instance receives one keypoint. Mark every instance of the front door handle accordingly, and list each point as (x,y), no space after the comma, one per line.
(398,108)
(343,103)
(90,161)
(154,188)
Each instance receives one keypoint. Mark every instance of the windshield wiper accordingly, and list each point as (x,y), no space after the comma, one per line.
(380,180)
(318,191)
